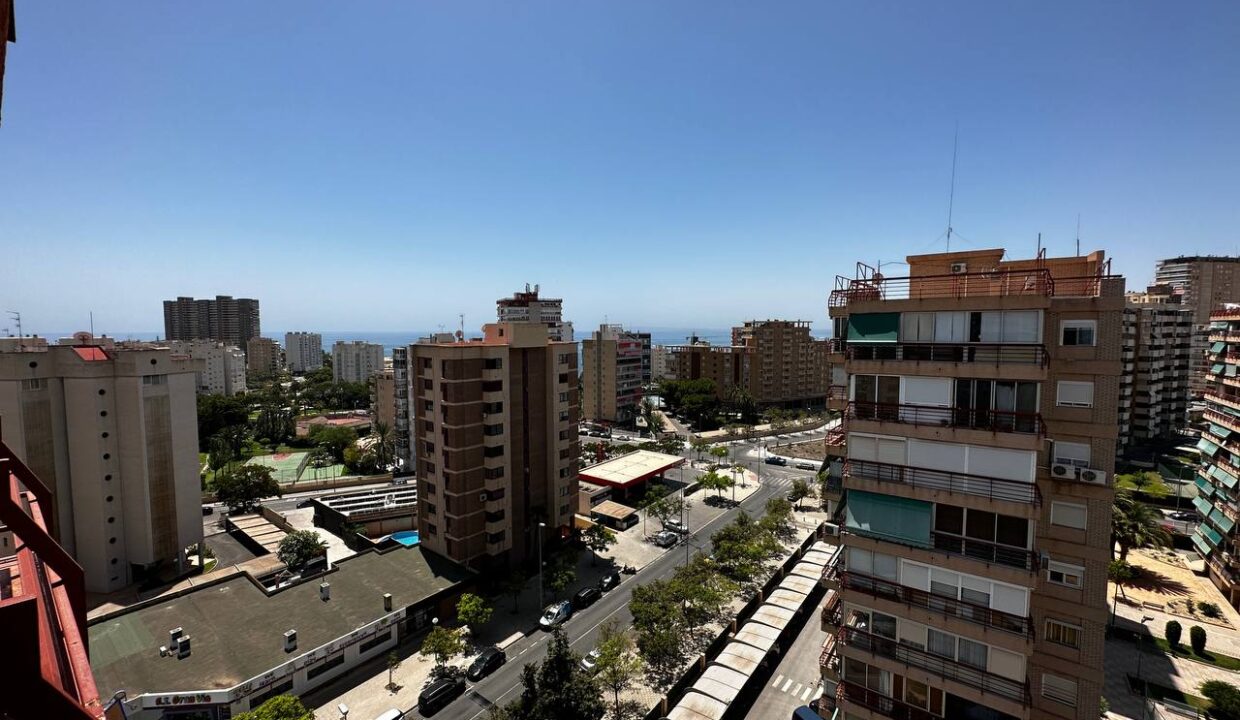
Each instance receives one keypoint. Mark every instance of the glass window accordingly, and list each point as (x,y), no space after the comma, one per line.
(1012,531)
(887,567)
(949,519)
(916,693)
(1063,633)
(980,525)
(1073,393)
(1059,689)
(977,597)
(1021,326)
(1064,574)
(940,643)
(1068,515)
(854,671)
(1077,332)
(973,654)
(1070,453)
(884,625)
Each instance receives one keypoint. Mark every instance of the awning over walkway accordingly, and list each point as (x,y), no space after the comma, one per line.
(612,509)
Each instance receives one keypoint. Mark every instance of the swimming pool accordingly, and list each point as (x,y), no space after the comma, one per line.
(408,538)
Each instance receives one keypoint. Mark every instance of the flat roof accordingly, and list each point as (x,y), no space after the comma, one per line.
(237,630)
(629,469)
(697,706)
(612,509)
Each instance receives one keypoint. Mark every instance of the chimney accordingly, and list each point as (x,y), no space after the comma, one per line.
(325,591)
(387,602)
(290,641)
(173,634)
(182,647)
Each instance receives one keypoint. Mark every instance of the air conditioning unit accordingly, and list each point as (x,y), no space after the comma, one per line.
(1064,471)
(959,267)
(1096,477)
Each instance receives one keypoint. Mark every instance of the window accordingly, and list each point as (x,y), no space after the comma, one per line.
(493,430)
(1068,515)
(495,537)
(563,358)
(493,473)
(429,468)
(34,384)
(428,448)
(884,626)
(493,451)
(492,385)
(431,509)
(1071,576)
(374,642)
(973,654)
(1072,393)
(564,509)
(427,384)
(493,363)
(1069,453)
(430,488)
(154,379)
(1077,332)
(940,643)
(1059,689)
(492,408)
(916,694)
(1063,633)
(563,415)
(563,378)
(563,397)
(428,405)
(318,670)
(431,529)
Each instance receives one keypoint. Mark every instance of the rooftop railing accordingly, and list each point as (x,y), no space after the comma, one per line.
(969,418)
(1033,282)
(953,482)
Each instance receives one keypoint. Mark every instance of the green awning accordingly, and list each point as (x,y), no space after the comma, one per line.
(1216,368)
(1221,521)
(1217,348)
(1201,545)
(1207,447)
(889,517)
(1220,431)
(1203,506)
(1211,535)
(1223,476)
(1230,370)
(874,327)
(1204,488)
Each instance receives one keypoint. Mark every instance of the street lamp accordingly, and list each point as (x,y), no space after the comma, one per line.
(1141,652)
(541,525)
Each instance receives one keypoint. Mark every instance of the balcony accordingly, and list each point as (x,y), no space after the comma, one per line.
(985,551)
(881,704)
(1003,283)
(832,612)
(966,418)
(952,482)
(975,353)
(979,614)
(943,667)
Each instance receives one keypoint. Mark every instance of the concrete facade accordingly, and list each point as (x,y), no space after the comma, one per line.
(616,364)
(114,434)
(264,357)
(1218,477)
(356,361)
(223,366)
(303,351)
(383,398)
(529,307)
(232,321)
(494,432)
(1203,282)
(776,362)
(1154,384)
(974,571)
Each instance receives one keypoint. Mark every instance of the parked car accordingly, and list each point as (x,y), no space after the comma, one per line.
(776,460)
(439,693)
(555,615)
(666,539)
(676,526)
(1186,516)
(610,580)
(586,597)
(207,510)
(806,465)
(393,714)
(589,663)
(305,503)
(487,662)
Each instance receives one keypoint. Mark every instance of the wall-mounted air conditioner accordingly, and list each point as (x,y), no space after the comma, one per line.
(1064,471)
(959,267)
(1096,477)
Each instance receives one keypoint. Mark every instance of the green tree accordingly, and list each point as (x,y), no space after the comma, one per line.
(668,507)
(274,423)
(1135,524)
(1173,632)
(234,438)
(1197,639)
(333,438)
(825,485)
(598,538)
(473,611)
(1224,699)
(216,412)
(719,452)
(662,640)
(715,481)
(1148,483)
(393,662)
(383,446)
(742,549)
(654,493)
(618,667)
(800,490)
(242,488)
(654,423)
(778,519)
(280,707)
(441,644)
(1121,573)
(699,446)
(556,688)
(299,547)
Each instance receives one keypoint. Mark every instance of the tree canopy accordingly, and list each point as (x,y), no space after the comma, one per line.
(299,547)
(1135,524)
(243,487)
(216,412)
(280,707)
(473,611)
(442,644)
(558,688)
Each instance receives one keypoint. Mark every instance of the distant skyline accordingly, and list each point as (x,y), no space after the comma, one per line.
(674,165)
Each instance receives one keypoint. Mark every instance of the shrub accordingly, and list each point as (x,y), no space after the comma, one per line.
(1210,610)
(1173,633)
(1224,699)
(1190,606)
(1197,637)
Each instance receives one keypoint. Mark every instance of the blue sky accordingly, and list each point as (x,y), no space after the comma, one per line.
(387,165)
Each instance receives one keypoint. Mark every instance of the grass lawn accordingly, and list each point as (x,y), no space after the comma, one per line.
(1161,692)
(1226,662)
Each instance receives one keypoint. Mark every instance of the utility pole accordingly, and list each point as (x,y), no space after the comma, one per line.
(541,525)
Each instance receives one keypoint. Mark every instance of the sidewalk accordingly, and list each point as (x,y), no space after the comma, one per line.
(1123,659)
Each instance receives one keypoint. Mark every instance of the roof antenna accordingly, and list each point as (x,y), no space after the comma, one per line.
(1078,234)
(92,323)
(951,198)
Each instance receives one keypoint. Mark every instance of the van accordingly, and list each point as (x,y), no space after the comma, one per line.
(392,714)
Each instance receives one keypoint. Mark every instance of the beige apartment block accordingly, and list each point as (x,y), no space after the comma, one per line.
(1218,477)
(383,398)
(356,361)
(495,438)
(975,470)
(613,375)
(1203,283)
(223,366)
(263,357)
(114,434)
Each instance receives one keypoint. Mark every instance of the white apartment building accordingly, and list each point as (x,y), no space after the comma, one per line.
(114,434)
(303,351)
(356,361)
(223,369)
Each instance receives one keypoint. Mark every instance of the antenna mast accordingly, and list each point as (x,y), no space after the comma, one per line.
(1078,234)
(951,197)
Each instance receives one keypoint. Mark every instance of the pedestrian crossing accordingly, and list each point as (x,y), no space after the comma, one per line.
(801,691)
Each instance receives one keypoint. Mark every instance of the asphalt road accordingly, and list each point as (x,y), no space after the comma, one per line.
(795,681)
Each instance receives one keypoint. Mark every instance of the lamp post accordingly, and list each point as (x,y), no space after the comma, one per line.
(1141,653)
(541,525)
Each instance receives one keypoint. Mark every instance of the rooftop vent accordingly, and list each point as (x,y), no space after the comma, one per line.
(387,602)
(290,641)
(325,591)
(183,647)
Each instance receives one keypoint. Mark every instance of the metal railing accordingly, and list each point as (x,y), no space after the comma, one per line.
(963,609)
(833,612)
(1000,283)
(979,353)
(953,482)
(837,392)
(969,418)
(985,551)
(936,664)
(881,704)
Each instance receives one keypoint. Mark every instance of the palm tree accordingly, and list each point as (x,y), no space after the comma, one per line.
(647,412)
(1135,524)
(383,445)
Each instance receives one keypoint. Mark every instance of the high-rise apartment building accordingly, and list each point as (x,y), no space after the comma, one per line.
(776,362)
(356,361)
(223,366)
(263,357)
(232,321)
(661,363)
(1218,478)
(383,398)
(1203,282)
(1154,382)
(303,351)
(495,436)
(977,446)
(114,435)
(402,440)
(613,375)
(529,307)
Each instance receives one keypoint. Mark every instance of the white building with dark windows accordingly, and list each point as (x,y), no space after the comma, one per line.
(356,361)
(303,351)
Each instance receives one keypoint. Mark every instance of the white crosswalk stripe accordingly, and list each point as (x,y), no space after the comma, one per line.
(787,684)
(776,683)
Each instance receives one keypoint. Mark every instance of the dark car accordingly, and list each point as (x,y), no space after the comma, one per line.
(439,693)
(609,581)
(305,503)
(776,460)
(586,597)
(487,662)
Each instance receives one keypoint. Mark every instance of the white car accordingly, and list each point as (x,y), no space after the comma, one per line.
(590,662)
(555,614)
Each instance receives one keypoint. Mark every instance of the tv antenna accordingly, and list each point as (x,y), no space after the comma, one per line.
(951,196)
(17,318)
(1078,234)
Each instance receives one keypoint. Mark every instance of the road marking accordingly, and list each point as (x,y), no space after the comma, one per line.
(805,695)
(776,683)
(787,683)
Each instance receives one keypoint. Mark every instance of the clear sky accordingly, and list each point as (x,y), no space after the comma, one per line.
(387,165)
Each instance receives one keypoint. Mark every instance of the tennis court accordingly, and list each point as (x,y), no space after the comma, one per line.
(287,466)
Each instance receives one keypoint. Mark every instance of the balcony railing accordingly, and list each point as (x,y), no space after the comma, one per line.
(837,392)
(833,611)
(1002,283)
(881,704)
(953,482)
(985,551)
(835,436)
(978,353)
(963,609)
(1223,419)
(969,418)
(936,664)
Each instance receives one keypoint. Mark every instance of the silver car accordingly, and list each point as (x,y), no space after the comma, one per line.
(555,615)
